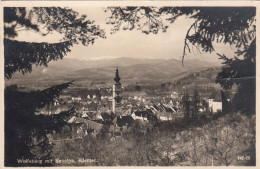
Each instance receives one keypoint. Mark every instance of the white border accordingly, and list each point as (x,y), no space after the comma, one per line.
(123,3)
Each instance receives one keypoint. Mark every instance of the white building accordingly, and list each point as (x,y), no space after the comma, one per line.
(76,98)
(94,96)
(164,118)
(215,106)
(174,95)
(138,117)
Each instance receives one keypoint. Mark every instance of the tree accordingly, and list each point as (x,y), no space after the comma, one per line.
(241,72)
(20,55)
(195,105)
(138,88)
(186,105)
(26,134)
(235,26)
(221,142)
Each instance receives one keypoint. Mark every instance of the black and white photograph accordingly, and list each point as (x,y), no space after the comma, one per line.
(129,85)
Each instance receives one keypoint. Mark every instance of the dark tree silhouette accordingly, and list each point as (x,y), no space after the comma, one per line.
(26,134)
(241,72)
(146,19)
(235,26)
(21,56)
(195,105)
(186,104)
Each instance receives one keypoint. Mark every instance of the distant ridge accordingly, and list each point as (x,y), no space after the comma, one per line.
(130,69)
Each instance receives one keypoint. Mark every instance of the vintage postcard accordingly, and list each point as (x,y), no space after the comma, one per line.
(120,83)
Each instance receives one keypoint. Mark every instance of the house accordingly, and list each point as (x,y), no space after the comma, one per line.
(174,109)
(85,116)
(154,109)
(215,106)
(151,116)
(99,117)
(161,107)
(97,127)
(146,115)
(164,116)
(127,112)
(107,118)
(140,115)
(169,109)
(83,126)
(127,121)
(174,95)
(76,98)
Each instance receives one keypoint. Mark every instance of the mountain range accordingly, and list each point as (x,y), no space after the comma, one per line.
(130,70)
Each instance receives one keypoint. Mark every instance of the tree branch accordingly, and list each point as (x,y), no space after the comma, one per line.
(185,41)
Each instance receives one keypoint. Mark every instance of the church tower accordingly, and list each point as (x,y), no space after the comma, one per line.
(116,108)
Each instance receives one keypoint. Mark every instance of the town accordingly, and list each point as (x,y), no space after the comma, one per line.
(115,109)
(129,85)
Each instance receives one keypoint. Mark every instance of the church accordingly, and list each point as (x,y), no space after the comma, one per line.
(117,89)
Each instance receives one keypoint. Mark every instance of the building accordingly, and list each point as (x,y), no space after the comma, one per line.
(164,117)
(215,106)
(117,89)
(76,98)
(141,115)
(174,95)
(127,121)
(80,127)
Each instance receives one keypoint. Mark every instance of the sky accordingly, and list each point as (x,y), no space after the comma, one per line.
(134,43)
